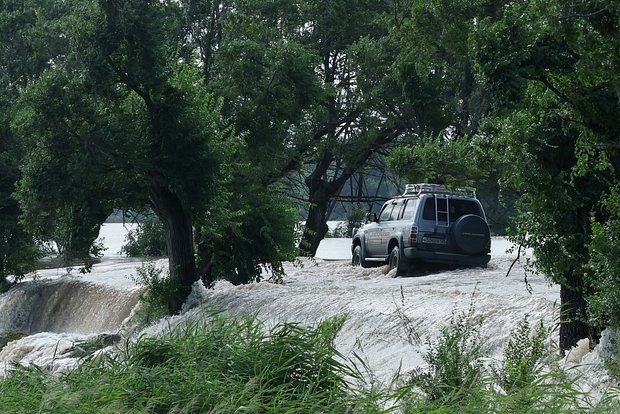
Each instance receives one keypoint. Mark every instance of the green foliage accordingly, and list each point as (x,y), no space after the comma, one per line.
(455,368)
(523,356)
(121,119)
(250,232)
(556,105)
(449,103)
(221,365)
(157,292)
(224,364)
(148,239)
(355,217)
(458,380)
(448,161)
(23,57)
(604,263)
(18,247)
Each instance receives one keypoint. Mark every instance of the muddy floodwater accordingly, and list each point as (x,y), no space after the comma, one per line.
(389,321)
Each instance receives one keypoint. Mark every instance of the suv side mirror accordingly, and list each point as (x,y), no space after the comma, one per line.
(371,217)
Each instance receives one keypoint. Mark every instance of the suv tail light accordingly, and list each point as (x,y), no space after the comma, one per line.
(414,234)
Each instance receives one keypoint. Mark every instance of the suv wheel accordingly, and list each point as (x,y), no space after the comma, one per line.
(358,259)
(471,234)
(397,262)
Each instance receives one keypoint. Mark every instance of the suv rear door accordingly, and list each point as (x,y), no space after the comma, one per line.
(439,212)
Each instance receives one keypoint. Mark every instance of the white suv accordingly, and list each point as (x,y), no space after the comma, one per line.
(428,223)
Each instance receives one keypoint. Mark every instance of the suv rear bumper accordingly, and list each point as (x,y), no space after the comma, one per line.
(442,257)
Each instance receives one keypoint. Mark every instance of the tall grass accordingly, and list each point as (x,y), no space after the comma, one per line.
(232,365)
(458,379)
(220,366)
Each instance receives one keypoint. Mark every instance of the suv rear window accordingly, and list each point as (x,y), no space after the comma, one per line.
(458,208)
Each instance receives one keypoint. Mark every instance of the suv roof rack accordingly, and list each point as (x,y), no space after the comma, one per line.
(424,188)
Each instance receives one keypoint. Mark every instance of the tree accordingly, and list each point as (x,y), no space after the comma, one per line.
(359,113)
(127,102)
(251,55)
(21,59)
(555,83)
(17,246)
(438,78)
(292,74)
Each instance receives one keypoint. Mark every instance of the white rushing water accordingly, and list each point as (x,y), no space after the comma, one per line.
(389,320)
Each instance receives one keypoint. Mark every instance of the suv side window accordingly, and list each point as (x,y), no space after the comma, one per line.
(386,213)
(409,209)
(398,208)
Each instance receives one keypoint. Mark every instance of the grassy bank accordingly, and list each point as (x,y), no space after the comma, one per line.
(227,365)
(221,366)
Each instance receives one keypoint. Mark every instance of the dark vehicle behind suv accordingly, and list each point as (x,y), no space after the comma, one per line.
(428,223)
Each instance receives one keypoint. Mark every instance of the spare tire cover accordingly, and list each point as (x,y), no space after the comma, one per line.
(471,234)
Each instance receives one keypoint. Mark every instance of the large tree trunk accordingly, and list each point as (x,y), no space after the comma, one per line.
(316,222)
(179,240)
(573,313)
(205,259)
(4,284)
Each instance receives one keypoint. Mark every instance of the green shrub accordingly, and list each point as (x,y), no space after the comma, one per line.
(523,356)
(457,381)
(249,236)
(157,292)
(455,368)
(226,365)
(354,220)
(604,264)
(148,239)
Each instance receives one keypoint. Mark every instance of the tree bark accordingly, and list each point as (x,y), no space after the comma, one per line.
(179,240)
(573,313)
(316,223)
(205,259)
(4,284)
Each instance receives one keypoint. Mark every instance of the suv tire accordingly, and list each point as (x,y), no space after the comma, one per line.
(395,261)
(358,259)
(471,234)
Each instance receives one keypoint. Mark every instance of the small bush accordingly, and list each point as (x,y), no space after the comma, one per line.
(455,368)
(523,356)
(457,381)
(355,218)
(147,240)
(157,292)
